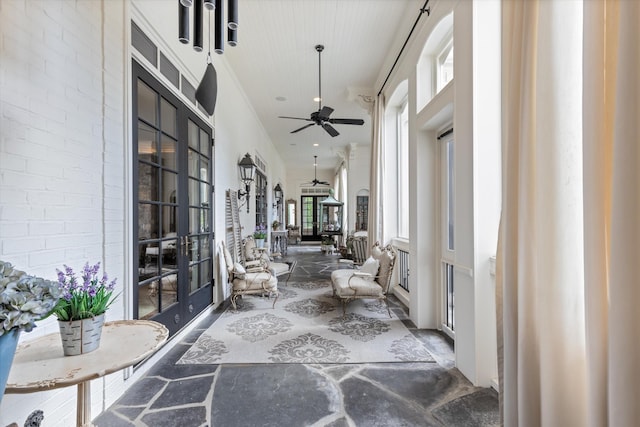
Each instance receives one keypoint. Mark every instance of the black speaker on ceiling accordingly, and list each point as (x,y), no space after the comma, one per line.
(207,91)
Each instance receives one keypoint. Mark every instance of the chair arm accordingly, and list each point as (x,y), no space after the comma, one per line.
(364,276)
(358,274)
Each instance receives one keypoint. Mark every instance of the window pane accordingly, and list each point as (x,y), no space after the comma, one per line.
(147,103)
(194,278)
(169,220)
(148,225)
(169,153)
(147,182)
(147,143)
(147,300)
(205,146)
(205,250)
(194,199)
(168,117)
(194,221)
(169,290)
(169,252)
(193,164)
(204,168)
(194,132)
(169,186)
(204,194)
(205,272)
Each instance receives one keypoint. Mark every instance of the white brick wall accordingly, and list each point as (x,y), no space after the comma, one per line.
(58,202)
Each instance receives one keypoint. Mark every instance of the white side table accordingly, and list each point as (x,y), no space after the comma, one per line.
(40,364)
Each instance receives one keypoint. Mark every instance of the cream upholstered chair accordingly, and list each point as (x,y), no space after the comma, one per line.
(251,280)
(251,254)
(351,284)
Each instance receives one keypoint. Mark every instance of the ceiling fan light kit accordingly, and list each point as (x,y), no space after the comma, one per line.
(322,116)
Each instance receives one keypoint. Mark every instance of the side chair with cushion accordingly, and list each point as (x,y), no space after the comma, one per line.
(252,280)
(371,281)
(252,255)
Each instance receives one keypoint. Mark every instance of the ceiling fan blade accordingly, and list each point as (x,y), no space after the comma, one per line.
(303,127)
(330,129)
(346,121)
(325,113)
(295,118)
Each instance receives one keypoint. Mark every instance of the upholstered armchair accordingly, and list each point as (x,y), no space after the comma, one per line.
(254,279)
(252,255)
(371,281)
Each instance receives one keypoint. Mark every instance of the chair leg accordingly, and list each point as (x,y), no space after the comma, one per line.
(275,299)
(233,301)
(388,309)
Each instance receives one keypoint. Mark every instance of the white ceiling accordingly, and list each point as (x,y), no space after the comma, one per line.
(276,57)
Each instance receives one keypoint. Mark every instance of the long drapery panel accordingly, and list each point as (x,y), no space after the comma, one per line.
(569,339)
(375,228)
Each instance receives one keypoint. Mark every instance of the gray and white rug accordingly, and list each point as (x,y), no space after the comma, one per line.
(306,326)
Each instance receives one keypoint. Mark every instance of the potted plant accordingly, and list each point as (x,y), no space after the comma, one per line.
(81,308)
(259,235)
(275,225)
(24,300)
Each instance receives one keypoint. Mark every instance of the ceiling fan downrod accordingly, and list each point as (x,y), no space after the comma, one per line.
(319,48)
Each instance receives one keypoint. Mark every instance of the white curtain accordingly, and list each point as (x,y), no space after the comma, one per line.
(344,198)
(569,329)
(376,182)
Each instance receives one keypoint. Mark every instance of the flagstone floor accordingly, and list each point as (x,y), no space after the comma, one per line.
(292,395)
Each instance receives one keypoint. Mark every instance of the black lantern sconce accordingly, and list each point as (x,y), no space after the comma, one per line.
(247,172)
(278,195)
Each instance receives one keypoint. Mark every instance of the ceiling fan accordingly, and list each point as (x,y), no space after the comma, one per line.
(321,117)
(316,181)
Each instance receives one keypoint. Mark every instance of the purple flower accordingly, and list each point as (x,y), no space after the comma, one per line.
(91,297)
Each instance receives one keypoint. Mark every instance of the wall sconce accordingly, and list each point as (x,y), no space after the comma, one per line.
(247,172)
(277,192)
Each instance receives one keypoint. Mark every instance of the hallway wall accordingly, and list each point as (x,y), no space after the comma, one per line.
(65,143)
(63,163)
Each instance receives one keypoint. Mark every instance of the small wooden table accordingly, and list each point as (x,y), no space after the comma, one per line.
(40,364)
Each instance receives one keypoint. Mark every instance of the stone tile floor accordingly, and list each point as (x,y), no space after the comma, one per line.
(292,395)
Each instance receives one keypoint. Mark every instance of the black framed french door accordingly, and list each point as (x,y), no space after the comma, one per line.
(172,205)
(310,217)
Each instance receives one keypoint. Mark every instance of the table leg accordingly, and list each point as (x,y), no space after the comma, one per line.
(83,410)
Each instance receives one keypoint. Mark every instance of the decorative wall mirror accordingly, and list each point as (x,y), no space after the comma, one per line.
(291,212)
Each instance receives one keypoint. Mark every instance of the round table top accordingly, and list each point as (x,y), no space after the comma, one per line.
(41,365)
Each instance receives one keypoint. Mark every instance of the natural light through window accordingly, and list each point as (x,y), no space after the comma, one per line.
(445,65)
(403,171)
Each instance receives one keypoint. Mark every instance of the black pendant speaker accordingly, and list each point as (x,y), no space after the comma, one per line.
(207,91)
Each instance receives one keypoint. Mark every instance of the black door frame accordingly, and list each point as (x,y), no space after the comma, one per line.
(188,305)
(315,237)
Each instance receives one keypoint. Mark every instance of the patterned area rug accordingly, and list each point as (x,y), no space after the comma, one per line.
(306,326)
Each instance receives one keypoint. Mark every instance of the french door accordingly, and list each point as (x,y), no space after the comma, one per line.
(173,210)
(310,217)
